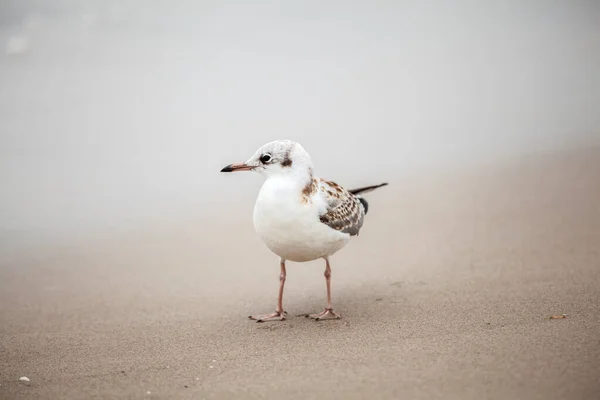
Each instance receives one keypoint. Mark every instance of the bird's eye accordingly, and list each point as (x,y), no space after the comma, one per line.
(265,158)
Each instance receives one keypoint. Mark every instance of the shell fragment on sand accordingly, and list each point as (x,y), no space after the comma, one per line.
(561,316)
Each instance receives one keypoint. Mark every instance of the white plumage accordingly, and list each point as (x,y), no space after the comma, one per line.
(290,227)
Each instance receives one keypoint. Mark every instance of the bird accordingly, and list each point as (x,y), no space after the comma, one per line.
(299,216)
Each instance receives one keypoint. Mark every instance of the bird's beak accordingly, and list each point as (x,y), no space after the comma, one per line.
(237,167)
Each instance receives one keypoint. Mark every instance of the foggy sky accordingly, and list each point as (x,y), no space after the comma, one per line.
(113,113)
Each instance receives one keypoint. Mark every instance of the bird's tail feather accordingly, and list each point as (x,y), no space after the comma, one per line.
(365,204)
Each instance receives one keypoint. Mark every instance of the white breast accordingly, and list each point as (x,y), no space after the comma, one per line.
(291,228)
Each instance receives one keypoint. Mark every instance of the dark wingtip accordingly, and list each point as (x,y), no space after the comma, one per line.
(227,168)
(367,188)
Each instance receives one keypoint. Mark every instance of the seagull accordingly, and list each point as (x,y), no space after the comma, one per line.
(299,216)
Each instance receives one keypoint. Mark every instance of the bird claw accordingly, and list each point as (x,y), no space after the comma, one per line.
(276,316)
(328,313)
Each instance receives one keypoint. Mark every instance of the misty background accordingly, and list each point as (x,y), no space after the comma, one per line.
(117,112)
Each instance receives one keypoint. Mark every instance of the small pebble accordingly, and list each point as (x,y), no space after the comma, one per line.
(197,379)
(214,360)
(212,366)
(148,392)
(24,379)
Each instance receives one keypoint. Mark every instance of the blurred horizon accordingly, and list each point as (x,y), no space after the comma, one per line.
(113,113)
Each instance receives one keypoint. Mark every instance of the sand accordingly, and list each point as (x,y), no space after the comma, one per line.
(446,294)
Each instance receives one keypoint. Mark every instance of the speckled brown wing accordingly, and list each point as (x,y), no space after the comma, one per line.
(345,212)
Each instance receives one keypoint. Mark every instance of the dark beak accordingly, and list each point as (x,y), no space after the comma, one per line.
(237,167)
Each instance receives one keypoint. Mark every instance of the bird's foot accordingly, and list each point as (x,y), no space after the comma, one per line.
(328,313)
(276,316)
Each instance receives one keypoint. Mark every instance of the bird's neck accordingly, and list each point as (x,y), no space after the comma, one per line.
(295,180)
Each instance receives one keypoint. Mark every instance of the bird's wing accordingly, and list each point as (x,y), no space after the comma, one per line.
(344,211)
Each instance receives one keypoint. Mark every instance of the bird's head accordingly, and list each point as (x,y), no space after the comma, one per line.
(276,158)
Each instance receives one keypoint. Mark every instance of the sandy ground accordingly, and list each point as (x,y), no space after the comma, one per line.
(447,293)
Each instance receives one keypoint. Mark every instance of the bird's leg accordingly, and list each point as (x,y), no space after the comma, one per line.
(279,314)
(328,313)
